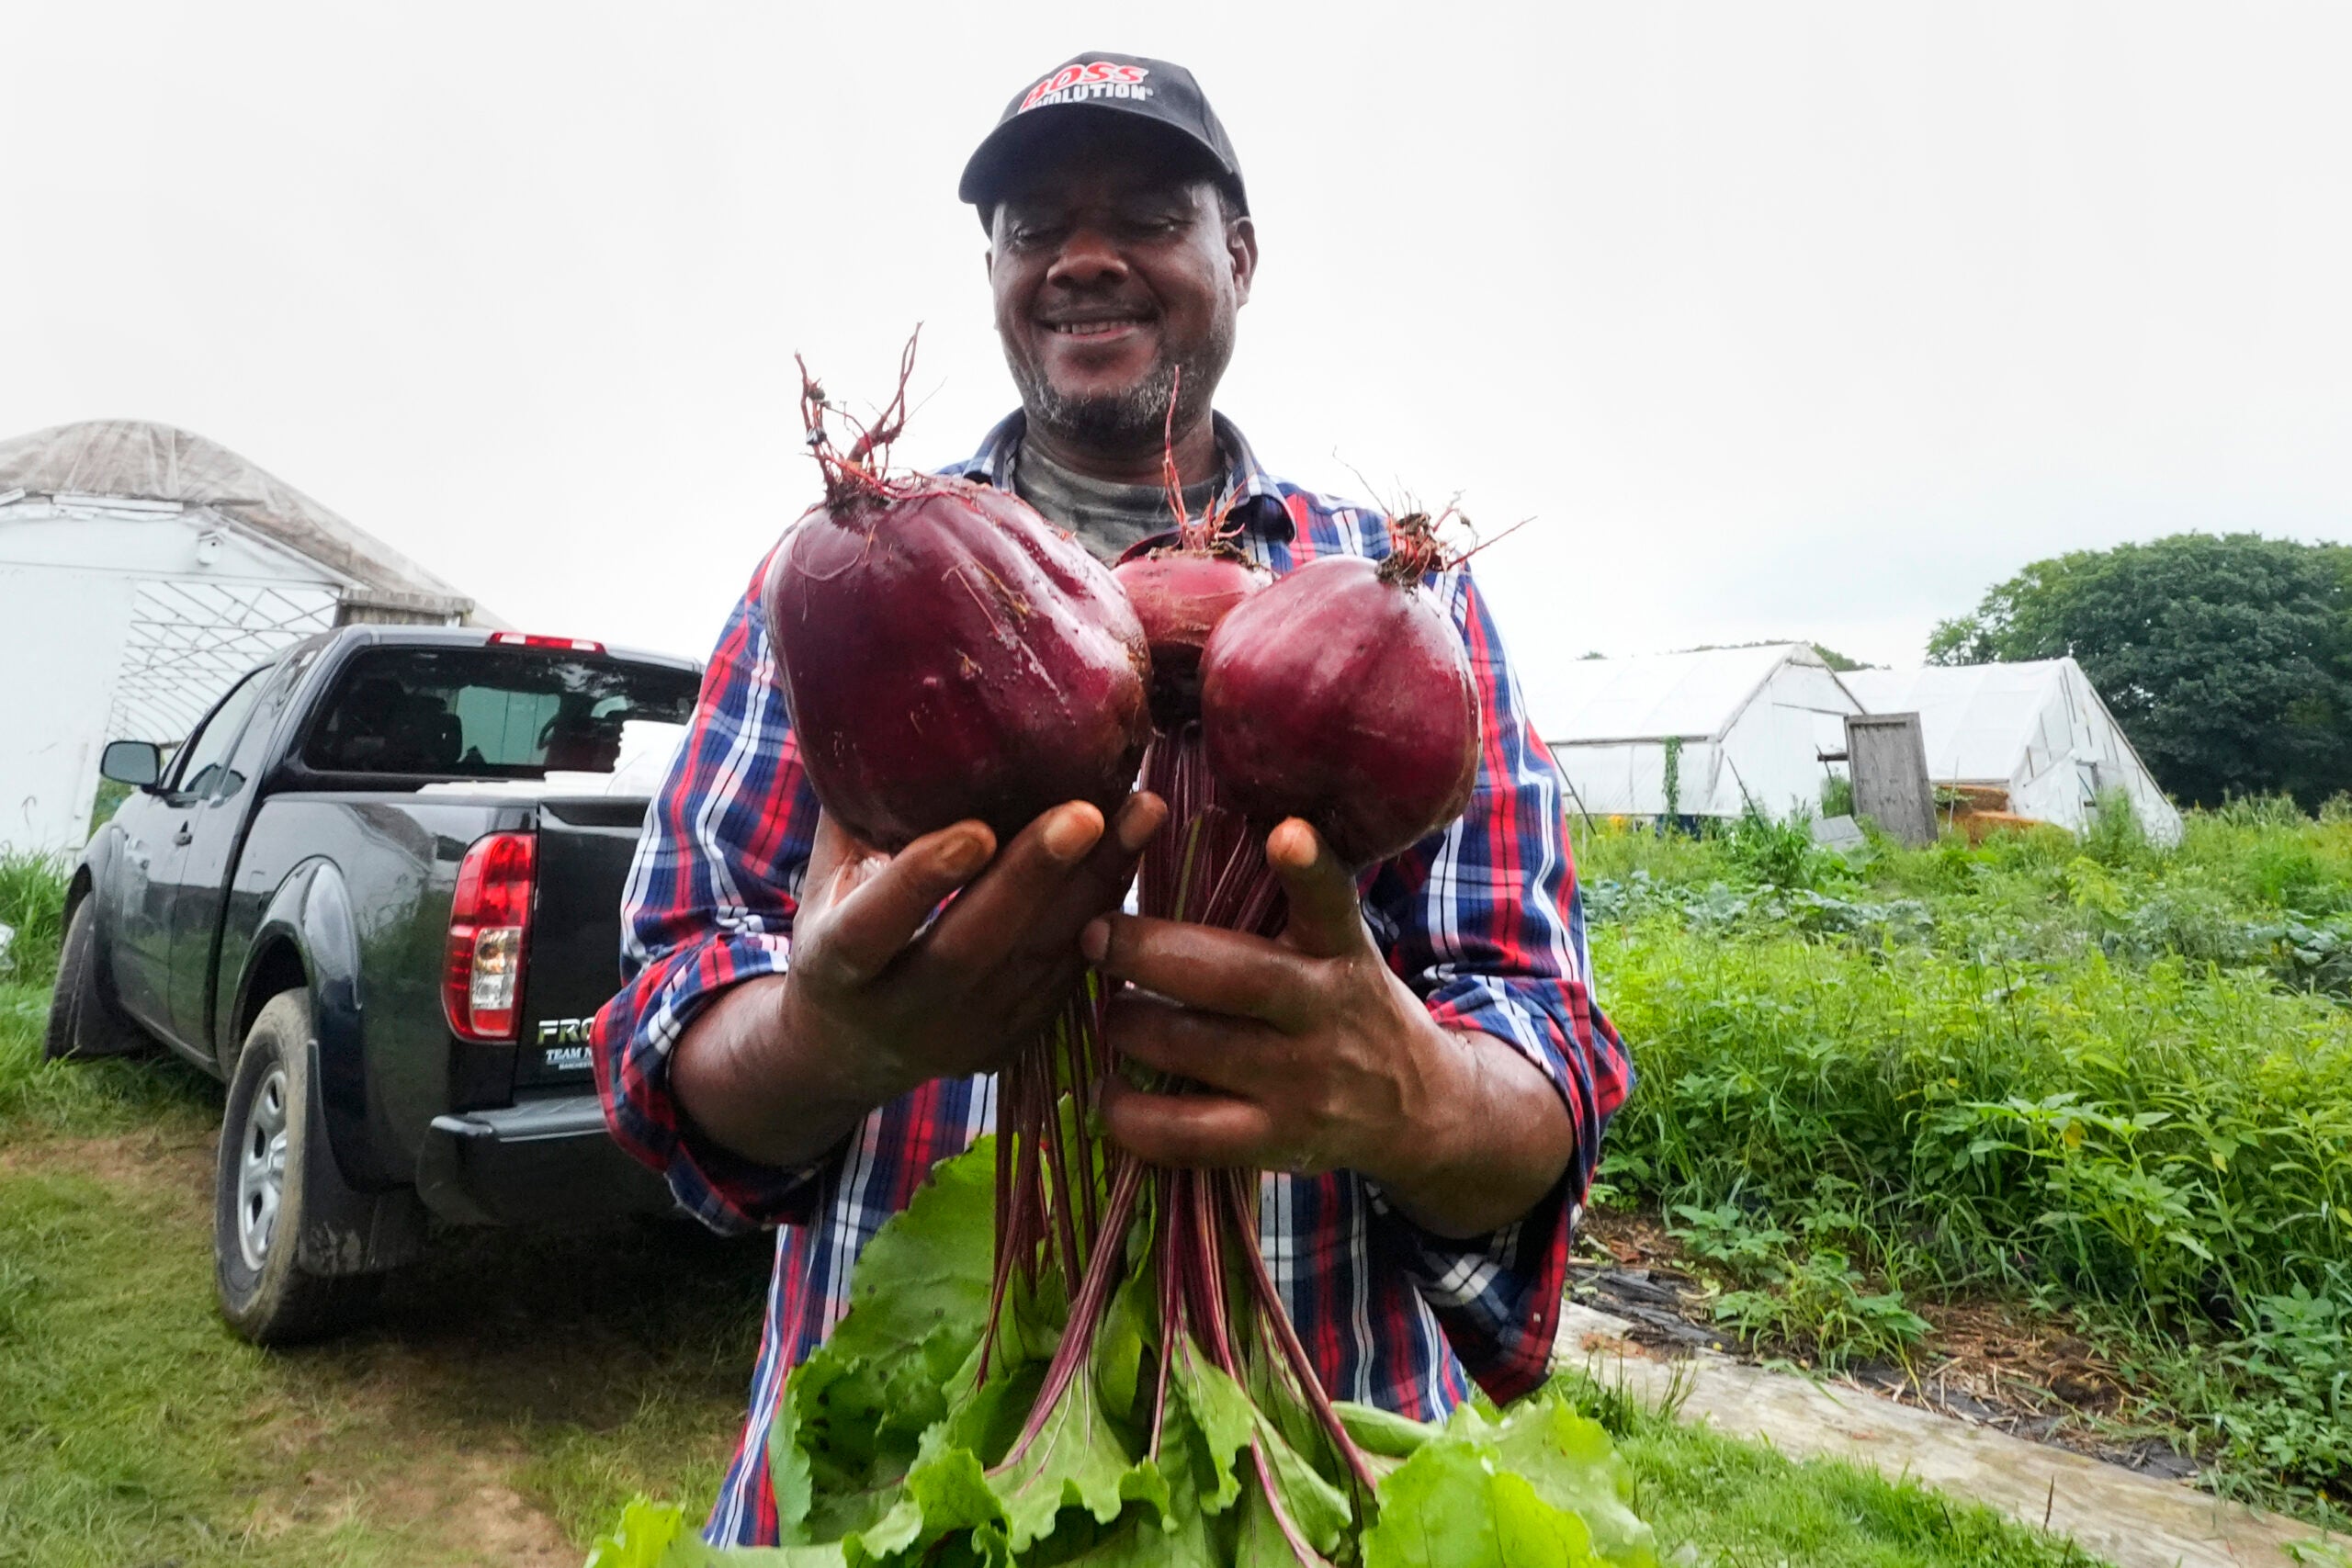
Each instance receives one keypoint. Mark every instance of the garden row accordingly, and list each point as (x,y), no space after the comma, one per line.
(2088,1076)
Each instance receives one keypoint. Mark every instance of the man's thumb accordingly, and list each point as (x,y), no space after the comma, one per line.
(1325,919)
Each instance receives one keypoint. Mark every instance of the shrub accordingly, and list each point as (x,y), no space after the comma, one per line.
(32,906)
(2113,835)
(1778,853)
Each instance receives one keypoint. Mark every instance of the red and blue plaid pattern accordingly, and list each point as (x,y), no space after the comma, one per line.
(1483,920)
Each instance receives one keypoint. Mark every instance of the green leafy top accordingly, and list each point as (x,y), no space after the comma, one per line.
(889,1449)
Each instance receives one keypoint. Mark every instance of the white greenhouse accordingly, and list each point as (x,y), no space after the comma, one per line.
(1733,727)
(2035,732)
(141,570)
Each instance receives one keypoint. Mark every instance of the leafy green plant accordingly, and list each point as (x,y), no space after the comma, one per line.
(2289,1410)
(1728,1236)
(1776,853)
(2260,810)
(2113,835)
(1804,1294)
(892,1445)
(1821,1301)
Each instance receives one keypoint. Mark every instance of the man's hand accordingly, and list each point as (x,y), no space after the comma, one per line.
(1308,1054)
(875,1002)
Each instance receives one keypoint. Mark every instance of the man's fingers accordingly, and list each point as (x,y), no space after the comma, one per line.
(1000,914)
(1222,971)
(1325,917)
(1238,1055)
(1138,821)
(1198,1130)
(871,923)
(1102,881)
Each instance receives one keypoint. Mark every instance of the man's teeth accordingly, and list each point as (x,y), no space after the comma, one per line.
(1093,329)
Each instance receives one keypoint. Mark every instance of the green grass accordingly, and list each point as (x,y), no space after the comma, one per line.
(32,906)
(2094,1075)
(1717,1500)
(81,1099)
(138,1429)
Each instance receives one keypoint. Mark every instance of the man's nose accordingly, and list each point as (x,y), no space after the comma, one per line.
(1088,258)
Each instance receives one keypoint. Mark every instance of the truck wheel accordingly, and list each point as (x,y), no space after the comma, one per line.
(267,1160)
(84,1022)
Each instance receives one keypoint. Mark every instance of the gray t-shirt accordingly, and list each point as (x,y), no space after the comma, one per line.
(1106,517)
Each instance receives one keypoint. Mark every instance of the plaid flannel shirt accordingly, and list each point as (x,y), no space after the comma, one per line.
(1483,920)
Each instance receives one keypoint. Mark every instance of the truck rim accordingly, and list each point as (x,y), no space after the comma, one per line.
(261,1168)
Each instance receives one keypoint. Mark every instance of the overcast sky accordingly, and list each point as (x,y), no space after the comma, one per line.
(1800,320)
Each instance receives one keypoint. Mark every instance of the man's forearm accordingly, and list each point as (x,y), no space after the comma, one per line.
(1496,1143)
(749,1085)
(1495,1139)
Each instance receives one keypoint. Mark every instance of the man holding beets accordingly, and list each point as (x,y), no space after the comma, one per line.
(1418,1059)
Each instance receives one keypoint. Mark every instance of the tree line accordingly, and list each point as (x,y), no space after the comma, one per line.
(2226,658)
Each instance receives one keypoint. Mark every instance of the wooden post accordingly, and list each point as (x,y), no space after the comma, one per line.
(1887,757)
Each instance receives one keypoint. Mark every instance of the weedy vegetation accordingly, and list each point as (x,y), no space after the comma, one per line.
(2090,1074)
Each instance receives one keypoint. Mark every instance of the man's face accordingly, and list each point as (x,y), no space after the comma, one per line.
(1111,272)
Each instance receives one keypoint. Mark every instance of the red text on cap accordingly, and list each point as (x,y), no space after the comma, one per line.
(1094,74)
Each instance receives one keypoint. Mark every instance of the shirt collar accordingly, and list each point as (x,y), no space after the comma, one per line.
(1256,494)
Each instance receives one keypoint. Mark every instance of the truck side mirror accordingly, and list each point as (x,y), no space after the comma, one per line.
(139,763)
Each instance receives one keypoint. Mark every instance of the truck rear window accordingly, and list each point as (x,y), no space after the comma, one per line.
(494,713)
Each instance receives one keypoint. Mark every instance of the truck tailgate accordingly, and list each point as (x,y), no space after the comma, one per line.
(586,846)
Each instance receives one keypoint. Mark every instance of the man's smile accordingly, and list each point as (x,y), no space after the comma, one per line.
(1094,325)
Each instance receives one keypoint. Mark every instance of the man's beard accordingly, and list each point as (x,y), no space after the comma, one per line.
(1132,421)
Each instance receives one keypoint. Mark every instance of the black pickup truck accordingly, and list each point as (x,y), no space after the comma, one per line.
(377,892)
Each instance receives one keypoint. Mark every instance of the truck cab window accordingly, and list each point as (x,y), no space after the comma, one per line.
(253,751)
(489,713)
(201,760)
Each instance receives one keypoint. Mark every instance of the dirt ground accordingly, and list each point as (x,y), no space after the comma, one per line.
(1991,1363)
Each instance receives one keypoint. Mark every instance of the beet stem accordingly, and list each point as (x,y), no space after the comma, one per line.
(1086,1308)
(1271,1312)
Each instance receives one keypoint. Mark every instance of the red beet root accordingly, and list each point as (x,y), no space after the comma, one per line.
(1182,590)
(1180,595)
(946,654)
(1342,695)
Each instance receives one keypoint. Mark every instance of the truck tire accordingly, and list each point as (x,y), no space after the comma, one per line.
(84,1022)
(268,1169)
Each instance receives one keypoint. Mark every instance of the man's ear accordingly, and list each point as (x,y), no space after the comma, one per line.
(1241,251)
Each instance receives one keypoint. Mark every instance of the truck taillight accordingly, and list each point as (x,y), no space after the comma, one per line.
(490,927)
(532,639)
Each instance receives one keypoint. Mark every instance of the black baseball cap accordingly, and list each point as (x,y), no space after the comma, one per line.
(1097,84)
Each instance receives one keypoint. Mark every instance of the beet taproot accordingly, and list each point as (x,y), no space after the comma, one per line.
(1179,593)
(1342,695)
(946,653)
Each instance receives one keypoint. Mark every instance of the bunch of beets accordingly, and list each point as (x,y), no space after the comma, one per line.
(1111,1376)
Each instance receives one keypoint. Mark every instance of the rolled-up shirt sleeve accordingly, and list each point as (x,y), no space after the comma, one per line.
(710,903)
(1484,920)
